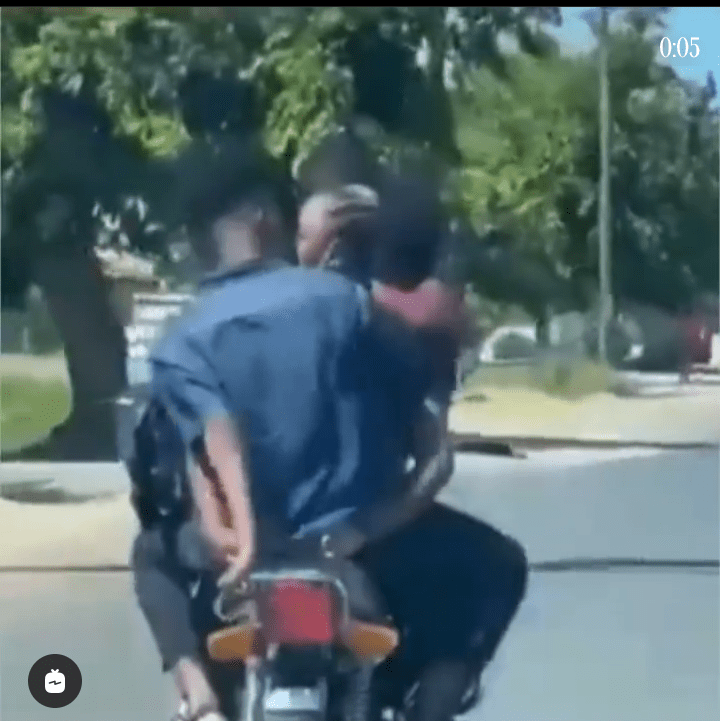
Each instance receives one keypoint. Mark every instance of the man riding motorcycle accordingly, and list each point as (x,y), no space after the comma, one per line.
(158,580)
(384,561)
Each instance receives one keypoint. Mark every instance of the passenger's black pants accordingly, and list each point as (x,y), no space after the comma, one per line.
(451,583)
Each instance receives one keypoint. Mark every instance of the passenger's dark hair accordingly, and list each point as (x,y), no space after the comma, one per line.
(214,182)
(408,228)
(341,159)
(354,210)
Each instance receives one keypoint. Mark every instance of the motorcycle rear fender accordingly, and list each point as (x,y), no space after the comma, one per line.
(366,641)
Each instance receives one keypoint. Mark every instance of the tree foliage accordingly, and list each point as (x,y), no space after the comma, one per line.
(94,98)
(97,102)
(531,164)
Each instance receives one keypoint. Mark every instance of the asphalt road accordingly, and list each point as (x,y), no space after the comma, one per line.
(638,645)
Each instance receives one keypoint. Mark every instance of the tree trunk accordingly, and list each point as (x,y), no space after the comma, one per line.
(77,296)
(443,123)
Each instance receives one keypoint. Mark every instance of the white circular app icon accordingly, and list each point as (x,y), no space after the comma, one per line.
(54,681)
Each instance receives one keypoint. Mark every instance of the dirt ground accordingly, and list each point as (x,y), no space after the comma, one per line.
(518,412)
(91,533)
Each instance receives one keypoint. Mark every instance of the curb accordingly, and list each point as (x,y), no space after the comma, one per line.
(45,485)
(510,446)
(62,483)
(707,565)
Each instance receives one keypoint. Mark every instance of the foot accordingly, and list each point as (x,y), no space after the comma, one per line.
(199,701)
(441,691)
(473,696)
(202,714)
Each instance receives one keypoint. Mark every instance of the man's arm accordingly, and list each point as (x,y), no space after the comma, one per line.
(399,319)
(404,364)
(398,349)
(432,450)
(220,485)
(186,384)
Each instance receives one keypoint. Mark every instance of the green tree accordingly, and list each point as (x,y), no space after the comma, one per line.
(664,182)
(98,102)
(92,101)
(529,141)
(519,138)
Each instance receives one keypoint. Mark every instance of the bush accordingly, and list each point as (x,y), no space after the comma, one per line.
(573,378)
(31,409)
(570,378)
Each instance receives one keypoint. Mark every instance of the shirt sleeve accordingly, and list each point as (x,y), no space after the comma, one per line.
(186,384)
(431,306)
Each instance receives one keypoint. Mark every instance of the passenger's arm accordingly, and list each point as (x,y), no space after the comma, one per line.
(403,363)
(399,319)
(434,464)
(431,306)
(397,348)
(433,454)
(399,315)
(186,384)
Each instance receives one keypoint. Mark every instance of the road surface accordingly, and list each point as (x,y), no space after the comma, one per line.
(637,645)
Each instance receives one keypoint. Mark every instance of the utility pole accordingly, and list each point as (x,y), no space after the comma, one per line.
(604,224)
(597,19)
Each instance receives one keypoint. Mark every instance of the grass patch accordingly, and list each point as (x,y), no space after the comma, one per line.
(30,408)
(570,379)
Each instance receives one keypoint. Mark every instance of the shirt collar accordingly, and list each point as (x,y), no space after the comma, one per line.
(238,271)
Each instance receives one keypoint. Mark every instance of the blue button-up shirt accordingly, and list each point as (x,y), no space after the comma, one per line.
(288,354)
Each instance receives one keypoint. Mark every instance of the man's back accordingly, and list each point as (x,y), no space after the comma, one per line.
(286,348)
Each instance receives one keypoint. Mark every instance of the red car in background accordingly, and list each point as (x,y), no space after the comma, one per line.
(672,341)
(696,333)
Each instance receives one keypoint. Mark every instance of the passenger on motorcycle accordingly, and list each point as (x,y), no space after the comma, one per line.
(454,626)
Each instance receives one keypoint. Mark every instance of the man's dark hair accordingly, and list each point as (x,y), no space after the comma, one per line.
(408,227)
(216,182)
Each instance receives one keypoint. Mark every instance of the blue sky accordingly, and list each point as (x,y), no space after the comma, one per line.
(687,22)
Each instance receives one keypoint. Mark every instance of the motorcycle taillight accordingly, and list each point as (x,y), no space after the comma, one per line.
(298,613)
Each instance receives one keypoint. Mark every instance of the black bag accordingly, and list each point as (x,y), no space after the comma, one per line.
(157,469)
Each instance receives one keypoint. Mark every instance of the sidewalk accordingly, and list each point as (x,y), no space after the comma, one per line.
(51,366)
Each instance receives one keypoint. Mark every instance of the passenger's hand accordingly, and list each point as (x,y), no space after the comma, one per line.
(343,542)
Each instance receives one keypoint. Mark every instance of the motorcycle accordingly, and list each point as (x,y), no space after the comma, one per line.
(299,653)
